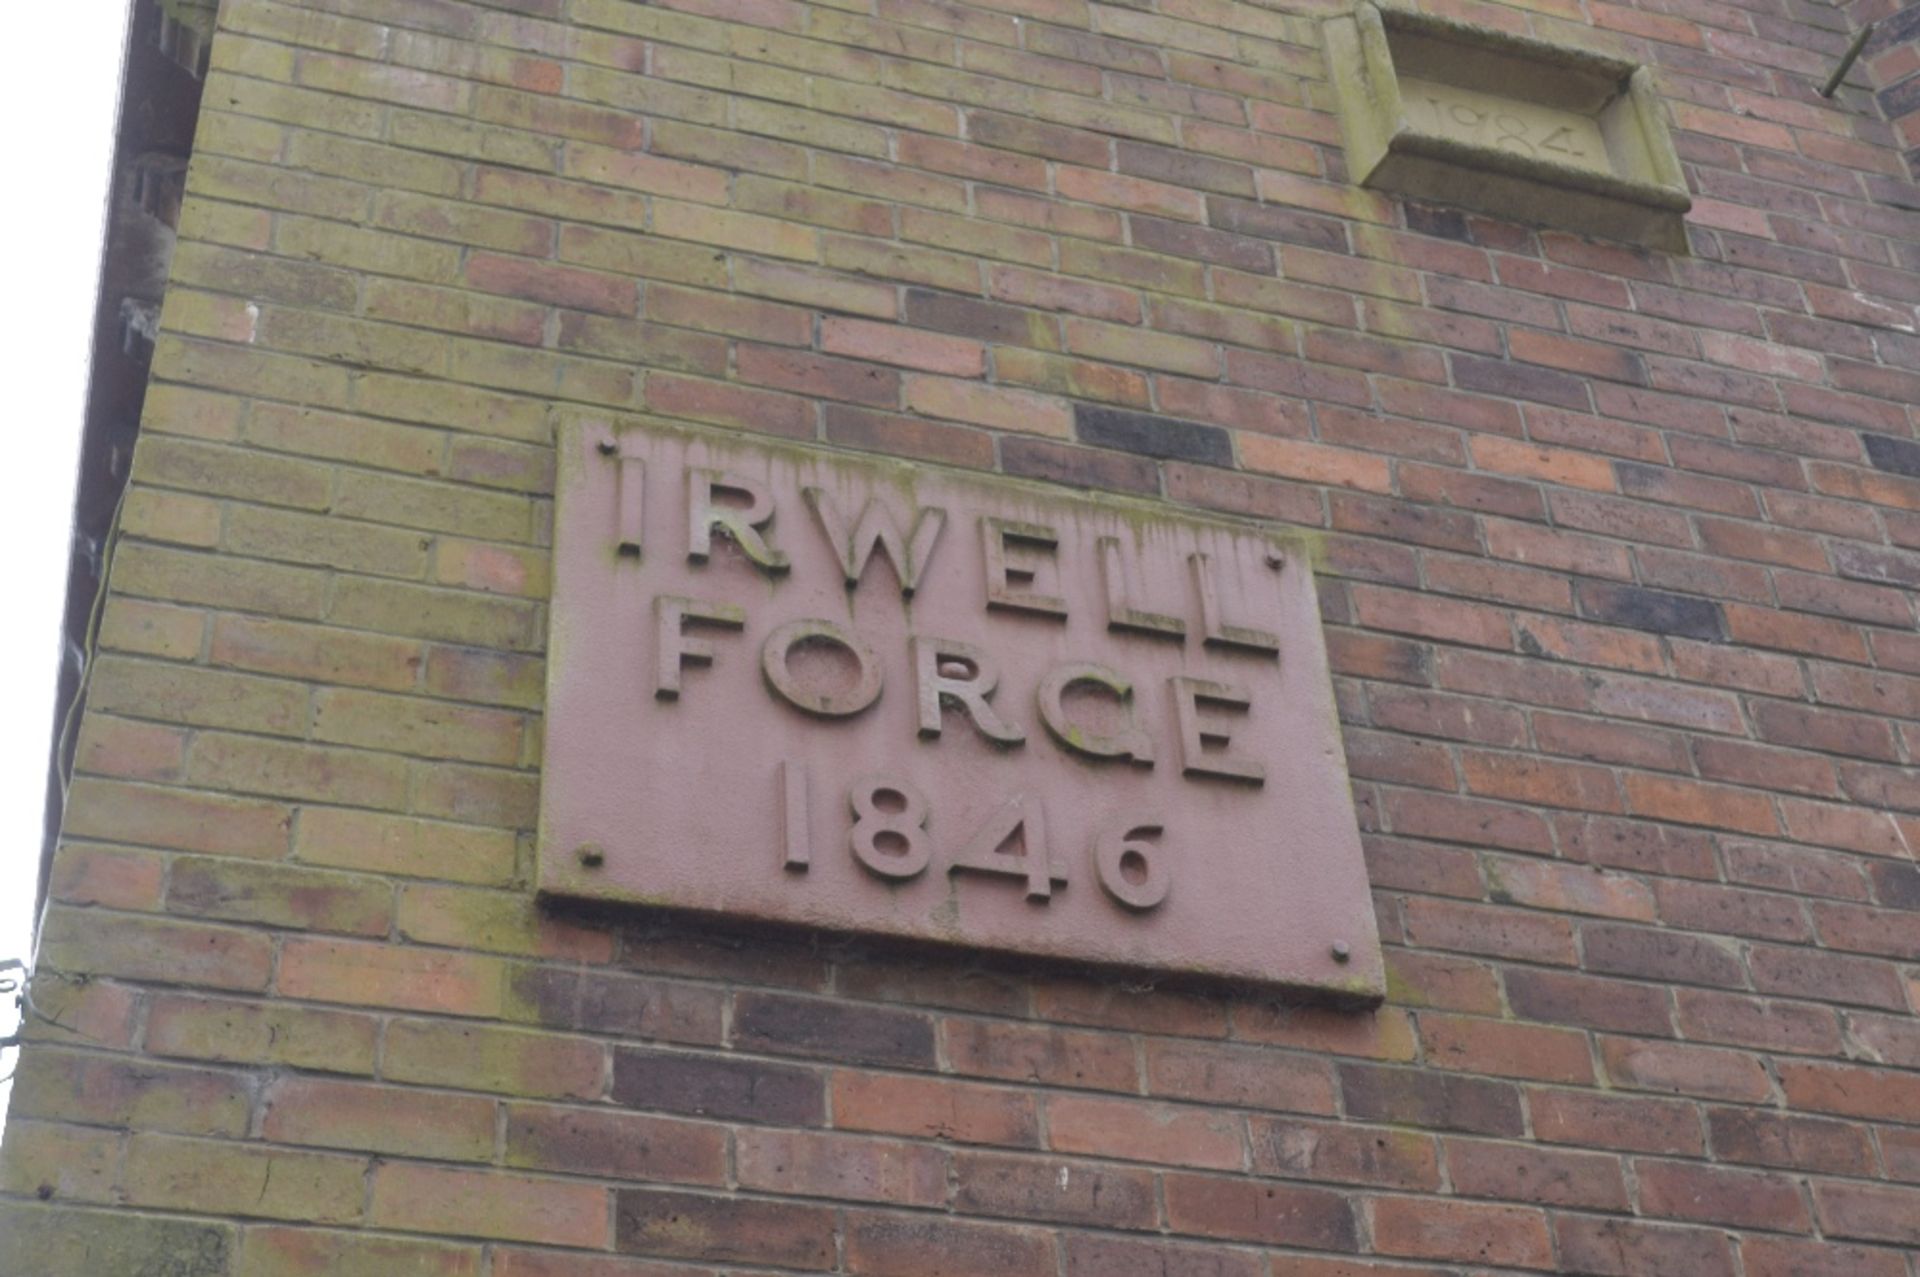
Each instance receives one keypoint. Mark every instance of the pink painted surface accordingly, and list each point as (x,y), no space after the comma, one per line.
(1236,858)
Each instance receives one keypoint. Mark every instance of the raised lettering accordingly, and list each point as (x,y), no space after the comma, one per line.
(890,840)
(1204,747)
(630,499)
(1009,582)
(1129,741)
(1019,822)
(1121,614)
(877,528)
(806,692)
(795,828)
(1133,872)
(949,672)
(674,647)
(743,525)
(1213,627)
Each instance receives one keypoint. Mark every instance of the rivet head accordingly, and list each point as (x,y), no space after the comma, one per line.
(592,855)
(1340,951)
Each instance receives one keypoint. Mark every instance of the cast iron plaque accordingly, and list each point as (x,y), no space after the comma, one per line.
(845,692)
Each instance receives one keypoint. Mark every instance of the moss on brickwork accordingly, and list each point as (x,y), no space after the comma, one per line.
(37,1240)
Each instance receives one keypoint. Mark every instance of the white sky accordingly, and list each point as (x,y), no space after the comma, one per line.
(58,97)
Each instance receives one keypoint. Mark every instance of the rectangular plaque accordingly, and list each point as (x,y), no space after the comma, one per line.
(852,693)
(1444,110)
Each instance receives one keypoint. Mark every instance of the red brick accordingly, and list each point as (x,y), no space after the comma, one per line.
(725,404)
(1476,822)
(1435,980)
(557,285)
(1757,1137)
(1504,1236)
(816,376)
(1144,1131)
(489,1204)
(1708,1016)
(1249,1210)
(658,1222)
(1697,906)
(918,1246)
(1539,782)
(1689,802)
(1098,1255)
(1050,1190)
(1865,1212)
(1791,1257)
(1714,1195)
(928,1108)
(379,1119)
(1041,1053)
(844,1167)
(106,1090)
(1629,1248)
(1632,1124)
(1323,1151)
(719,1087)
(1385,1034)
(1430,1099)
(906,347)
(1707,1072)
(1827,977)
(1561,997)
(613,1145)
(1851,1090)
(1104,1004)
(1505,1050)
(1482,929)
(1546,1177)
(1240,1077)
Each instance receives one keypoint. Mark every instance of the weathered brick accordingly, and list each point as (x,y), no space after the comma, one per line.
(485,1058)
(714,1086)
(1628,1123)
(1142,1131)
(613,1145)
(1620,1247)
(378,1119)
(919,1246)
(1708,1072)
(796,1026)
(1153,436)
(106,1090)
(934,1108)
(1594,1181)
(494,1204)
(1511,1236)
(1711,1194)
(1436,1100)
(843,1167)
(289,1252)
(212,1177)
(1323,1151)
(60,1239)
(261,1033)
(1271,1214)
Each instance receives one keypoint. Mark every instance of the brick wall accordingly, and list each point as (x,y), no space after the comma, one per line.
(1619,549)
(1893,67)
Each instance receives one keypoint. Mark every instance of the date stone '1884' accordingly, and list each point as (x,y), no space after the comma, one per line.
(835,691)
